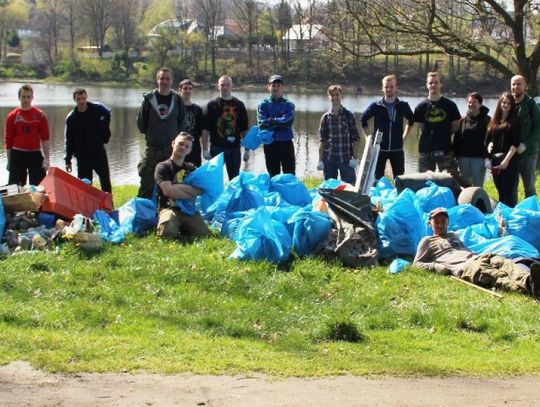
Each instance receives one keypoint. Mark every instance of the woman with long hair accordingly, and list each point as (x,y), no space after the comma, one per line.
(468,144)
(502,140)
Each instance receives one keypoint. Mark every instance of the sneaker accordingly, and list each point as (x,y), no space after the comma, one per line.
(534,280)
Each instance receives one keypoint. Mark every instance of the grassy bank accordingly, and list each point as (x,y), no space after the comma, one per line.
(184,307)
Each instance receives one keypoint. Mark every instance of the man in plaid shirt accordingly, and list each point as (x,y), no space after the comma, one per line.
(338,149)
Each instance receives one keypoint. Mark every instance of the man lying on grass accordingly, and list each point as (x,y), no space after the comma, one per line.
(168,176)
(444,253)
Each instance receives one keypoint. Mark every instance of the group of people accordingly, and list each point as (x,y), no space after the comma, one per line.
(506,143)
(26,140)
(179,134)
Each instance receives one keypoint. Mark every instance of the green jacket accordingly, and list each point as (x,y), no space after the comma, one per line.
(529,116)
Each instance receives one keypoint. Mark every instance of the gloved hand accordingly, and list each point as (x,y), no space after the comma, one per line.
(353,163)
(206,155)
(521,148)
(68,166)
(490,148)
(246,156)
(320,166)
(46,164)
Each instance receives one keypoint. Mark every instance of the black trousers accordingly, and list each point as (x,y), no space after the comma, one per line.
(279,156)
(397,161)
(99,163)
(506,182)
(26,164)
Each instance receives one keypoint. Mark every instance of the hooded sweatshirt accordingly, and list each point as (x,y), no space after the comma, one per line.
(469,141)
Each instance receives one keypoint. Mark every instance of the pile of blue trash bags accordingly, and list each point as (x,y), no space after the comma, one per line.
(509,232)
(270,218)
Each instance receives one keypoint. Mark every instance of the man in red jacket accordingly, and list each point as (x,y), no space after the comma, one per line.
(26,134)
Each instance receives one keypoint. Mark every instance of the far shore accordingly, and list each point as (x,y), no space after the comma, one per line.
(417,89)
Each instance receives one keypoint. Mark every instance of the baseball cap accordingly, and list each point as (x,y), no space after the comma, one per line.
(275,78)
(438,211)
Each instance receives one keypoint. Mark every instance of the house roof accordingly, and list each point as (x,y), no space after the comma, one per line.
(301,31)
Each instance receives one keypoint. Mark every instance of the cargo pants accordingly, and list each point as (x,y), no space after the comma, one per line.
(491,270)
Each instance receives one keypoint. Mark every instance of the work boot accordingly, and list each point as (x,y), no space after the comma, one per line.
(534,280)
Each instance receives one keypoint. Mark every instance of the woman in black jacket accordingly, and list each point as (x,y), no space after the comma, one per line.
(469,147)
(502,140)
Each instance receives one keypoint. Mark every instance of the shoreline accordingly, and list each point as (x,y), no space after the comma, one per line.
(405,89)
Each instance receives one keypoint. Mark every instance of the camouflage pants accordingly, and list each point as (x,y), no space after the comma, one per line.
(446,162)
(491,270)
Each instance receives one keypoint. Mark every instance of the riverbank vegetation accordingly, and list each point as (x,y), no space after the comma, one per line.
(168,307)
(475,45)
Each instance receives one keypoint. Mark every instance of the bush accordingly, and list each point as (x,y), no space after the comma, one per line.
(342,330)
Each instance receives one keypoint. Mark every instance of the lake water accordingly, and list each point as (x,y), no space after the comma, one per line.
(126,143)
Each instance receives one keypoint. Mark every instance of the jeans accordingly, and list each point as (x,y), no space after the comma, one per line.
(527,170)
(473,170)
(347,173)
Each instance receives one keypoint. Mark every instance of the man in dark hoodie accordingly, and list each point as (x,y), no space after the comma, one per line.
(469,141)
(388,115)
(87,131)
(160,119)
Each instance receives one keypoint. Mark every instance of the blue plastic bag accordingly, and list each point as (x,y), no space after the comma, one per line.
(398,265)
(209,178)
(401,226)
(461,216)
(260,237)
(244,198)
(291,189)
(231,223)
(255,137)
(530,203)
(381,185)
(510,247)
(524,224)
(310,227)
(480,232)
(109,230)
(138,215)
(251,139)
(434,196)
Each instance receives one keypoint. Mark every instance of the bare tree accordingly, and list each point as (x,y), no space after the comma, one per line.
(71,18)
(53,18)
(210,14)
(124,24)
(247,12)
(490,31)
(98,15)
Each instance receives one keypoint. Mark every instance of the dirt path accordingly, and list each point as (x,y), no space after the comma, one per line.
(21,385)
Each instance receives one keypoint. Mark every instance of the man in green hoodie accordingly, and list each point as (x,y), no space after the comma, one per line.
(529,116)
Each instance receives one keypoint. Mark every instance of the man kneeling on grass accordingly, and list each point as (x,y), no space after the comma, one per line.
(444,253)
(169,175)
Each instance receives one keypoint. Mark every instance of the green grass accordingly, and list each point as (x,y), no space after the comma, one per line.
(172,307)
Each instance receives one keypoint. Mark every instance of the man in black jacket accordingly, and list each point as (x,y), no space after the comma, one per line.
(86,133)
